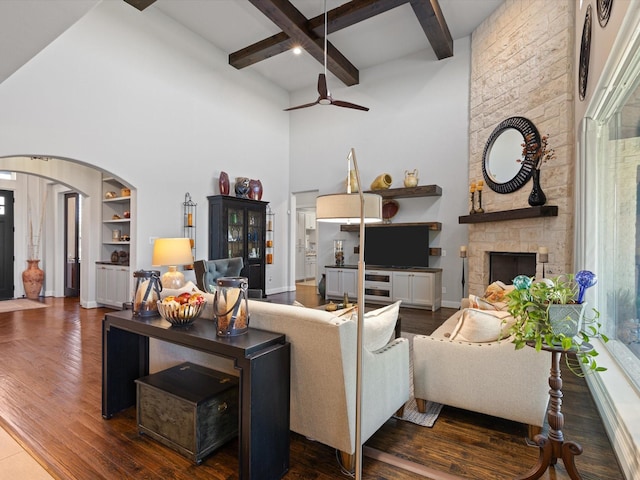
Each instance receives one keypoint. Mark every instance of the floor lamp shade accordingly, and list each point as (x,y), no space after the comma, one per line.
(172,252)
(345,208)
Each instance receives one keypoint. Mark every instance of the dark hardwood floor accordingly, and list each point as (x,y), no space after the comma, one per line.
(50,401)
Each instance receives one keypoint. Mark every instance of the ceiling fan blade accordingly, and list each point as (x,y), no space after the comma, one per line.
(322,86)
(340,103)
(301,106)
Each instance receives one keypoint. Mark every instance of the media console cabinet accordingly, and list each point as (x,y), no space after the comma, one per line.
(261,358)
(416,287)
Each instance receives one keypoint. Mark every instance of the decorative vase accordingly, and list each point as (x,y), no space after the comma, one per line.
(382,182)
(255,189)
(33,278)
(223,183)
(411,178)
(322,285)
(242,187)
(537,197)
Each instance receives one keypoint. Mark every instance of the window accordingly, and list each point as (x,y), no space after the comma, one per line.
(613,189)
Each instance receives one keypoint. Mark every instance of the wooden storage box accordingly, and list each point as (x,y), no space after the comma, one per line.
(189,408)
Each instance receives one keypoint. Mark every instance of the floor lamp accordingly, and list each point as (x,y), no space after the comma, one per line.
(354,208)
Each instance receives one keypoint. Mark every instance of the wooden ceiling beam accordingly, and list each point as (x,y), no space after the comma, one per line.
(140,4)
(434,26)
(295,25)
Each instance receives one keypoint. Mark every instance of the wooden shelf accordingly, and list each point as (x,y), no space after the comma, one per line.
(517,214)
(435,226)
(419,191)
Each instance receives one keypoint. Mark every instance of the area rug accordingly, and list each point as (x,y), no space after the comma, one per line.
(411,413)
(19,304)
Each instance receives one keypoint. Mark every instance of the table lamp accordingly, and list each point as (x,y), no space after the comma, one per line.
(354,208)
(172,252)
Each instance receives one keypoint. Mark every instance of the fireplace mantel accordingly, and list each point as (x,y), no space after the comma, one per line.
(517,214)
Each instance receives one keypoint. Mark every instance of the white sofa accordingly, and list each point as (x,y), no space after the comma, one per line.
(323,371)
(486,377)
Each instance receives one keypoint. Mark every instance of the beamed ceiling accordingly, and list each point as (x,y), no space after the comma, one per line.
(259,35)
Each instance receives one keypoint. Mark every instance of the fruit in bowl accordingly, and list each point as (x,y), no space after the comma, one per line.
(183,309)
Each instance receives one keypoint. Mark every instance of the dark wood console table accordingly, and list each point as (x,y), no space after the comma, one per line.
(554,446)
(262,359)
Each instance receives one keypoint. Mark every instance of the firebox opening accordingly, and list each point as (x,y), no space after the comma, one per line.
(505,266)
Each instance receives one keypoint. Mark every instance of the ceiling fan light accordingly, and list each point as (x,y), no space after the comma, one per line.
(324,101)
(297,50)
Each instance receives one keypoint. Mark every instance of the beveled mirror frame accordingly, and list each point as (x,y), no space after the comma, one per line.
(530,135)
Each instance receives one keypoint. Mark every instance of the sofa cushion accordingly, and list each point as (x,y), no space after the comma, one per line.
(379,326)
(480,326)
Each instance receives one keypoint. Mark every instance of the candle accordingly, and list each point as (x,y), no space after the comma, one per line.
(473,187)
(190,219)
(463,251)
(543,250)
(480,184)
(463,248)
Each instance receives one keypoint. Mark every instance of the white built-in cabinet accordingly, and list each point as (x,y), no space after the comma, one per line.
(418,288)
(112,270)
(112,285)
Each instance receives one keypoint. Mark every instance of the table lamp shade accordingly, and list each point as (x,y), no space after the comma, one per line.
(345,208)
(172,252)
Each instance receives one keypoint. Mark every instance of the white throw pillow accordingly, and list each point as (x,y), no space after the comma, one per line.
(480,326)
(379,326)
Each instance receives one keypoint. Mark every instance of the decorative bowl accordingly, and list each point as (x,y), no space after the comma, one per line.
(389,209)
(180,315)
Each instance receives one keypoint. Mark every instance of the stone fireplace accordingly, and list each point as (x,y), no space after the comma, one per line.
(508,80)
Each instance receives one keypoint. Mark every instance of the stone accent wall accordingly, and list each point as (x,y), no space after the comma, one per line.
(522,65)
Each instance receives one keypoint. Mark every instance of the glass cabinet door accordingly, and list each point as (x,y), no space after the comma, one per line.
(255,242)
(235,232)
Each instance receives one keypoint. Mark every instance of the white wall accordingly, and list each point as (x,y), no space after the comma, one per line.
(418,119)
(143,98)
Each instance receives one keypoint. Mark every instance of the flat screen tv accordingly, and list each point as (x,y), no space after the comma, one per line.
(396,246)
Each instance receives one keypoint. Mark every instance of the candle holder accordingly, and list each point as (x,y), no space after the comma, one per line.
(479,209)
(543,258)
(473,210)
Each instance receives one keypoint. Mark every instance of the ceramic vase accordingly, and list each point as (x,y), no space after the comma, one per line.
(242,187)
(322,285)
(33,278)
(537,197)
(223,183)
(255,189)
(411,178)
(382,182)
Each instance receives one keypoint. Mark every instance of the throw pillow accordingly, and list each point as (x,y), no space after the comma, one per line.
(379,326)
(480,326)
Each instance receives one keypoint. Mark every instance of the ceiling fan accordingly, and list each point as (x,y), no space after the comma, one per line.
(324,97)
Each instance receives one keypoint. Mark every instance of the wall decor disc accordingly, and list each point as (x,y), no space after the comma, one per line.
(604,11)
(585,50)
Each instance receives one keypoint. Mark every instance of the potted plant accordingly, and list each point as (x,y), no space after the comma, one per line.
(552,312)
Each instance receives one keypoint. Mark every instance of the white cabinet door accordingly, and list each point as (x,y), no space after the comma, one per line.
(101,283)
(402,287)
(422,289)
(121,282)
(340,281)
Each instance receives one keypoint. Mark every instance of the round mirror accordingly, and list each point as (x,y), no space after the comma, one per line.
(503,167)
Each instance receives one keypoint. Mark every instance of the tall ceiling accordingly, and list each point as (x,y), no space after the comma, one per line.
(27,26)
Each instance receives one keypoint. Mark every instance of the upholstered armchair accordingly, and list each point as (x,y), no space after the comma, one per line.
(208,271)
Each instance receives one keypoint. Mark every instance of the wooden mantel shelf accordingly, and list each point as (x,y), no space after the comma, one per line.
(517,214)
(410,192)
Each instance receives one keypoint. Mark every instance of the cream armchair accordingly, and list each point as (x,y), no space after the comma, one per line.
(489,377)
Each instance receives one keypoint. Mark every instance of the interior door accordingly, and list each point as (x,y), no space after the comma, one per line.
(300,257)
(72,245)
(6,244)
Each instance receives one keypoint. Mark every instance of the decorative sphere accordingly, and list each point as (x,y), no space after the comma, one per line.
(522,282)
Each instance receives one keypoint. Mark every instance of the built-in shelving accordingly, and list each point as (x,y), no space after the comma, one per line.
(516,214)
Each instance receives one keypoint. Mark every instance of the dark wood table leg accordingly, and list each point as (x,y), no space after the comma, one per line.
(554,446)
